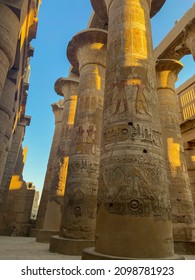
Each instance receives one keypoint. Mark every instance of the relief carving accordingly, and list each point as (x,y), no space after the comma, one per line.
(86,140)
(125,190)
(133,132)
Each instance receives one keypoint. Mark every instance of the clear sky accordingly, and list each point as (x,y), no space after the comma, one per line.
(59,21)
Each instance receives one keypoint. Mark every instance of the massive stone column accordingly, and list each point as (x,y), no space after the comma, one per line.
(9,28)
(67,88)
(10,165)
(86,51)
(182,210)
(133,219)
(58,112)
(6,114)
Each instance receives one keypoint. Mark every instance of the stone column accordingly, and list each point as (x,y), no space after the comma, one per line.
(9,28)
(182,210)
(10,165)
(189,38)
(6,114)
(67,88)
(58,111)
(133,218)
(86,51)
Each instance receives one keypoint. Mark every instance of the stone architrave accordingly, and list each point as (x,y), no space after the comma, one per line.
(6,114)
(66,87)
(182,210)
(133,216)
(58,112)
(9,28)
(87,53)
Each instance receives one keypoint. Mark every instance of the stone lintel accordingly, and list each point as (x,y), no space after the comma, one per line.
(186,84)
(188,125)
(25,120)
(99,7)
(89,36)
(96,22)
(64,86)
(172,46)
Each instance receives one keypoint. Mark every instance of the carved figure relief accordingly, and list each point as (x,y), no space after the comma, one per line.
(120,96)
(141,101)
(90,139)
(124,189)
(85,140)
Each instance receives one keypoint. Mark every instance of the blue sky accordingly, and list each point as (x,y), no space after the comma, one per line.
(58,23)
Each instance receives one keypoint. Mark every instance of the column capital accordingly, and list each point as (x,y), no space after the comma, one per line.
(101,7)
(57,109)
(167,71)
(189,37)
(95,40)
(66,87)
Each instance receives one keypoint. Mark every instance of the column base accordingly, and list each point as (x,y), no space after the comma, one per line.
(184,248)
(33,232)
(44,236)
(69,246)
(91,254)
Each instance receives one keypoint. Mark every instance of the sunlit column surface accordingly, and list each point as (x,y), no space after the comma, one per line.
(182,210)
(9,28)
(86,52)
(133,219)
(68,88)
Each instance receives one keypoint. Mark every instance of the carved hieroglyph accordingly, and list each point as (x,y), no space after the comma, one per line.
(133,217)
(9,28)
(68,88)
(86,52)
(182,210)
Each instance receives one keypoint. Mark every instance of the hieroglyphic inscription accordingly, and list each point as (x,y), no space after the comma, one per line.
(83,166)
(133,132)
(134,185)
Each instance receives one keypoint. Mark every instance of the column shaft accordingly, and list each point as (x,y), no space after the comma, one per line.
(86,51)
(9,28)
(57,110)
(6,115)
(182,210)
(133,219)
(58,182)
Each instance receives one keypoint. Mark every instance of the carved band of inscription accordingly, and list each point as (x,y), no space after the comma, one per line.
(133,132)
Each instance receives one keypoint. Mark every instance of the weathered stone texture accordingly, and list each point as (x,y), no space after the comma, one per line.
(9,29)
(58,112)
(133,219)
(86,52)
(182,210)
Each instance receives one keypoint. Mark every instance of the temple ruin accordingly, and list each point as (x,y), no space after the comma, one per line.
(120,179)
